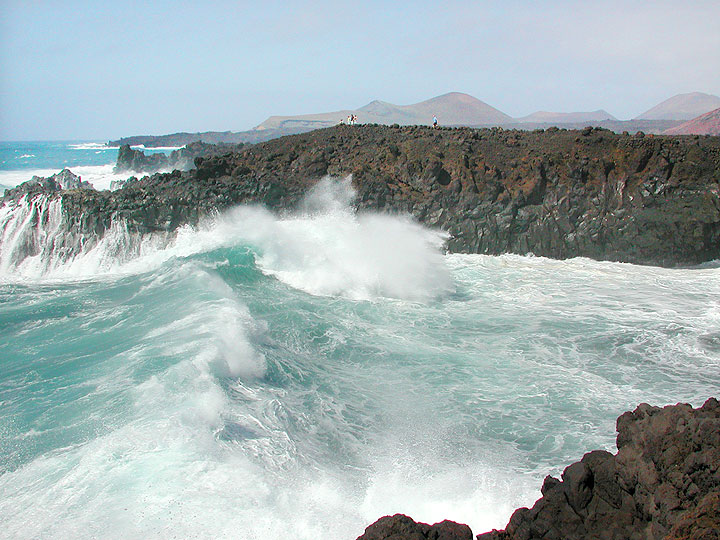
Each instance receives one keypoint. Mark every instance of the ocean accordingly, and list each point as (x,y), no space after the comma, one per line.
(93,161)
(300,376)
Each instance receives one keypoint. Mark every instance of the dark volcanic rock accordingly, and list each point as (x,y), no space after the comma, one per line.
(182,158)
(664,482)
(65,179)
(130,160)
(401,527)
(555,193)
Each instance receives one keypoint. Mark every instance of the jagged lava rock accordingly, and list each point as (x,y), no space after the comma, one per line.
(133,160)
(130,160)
(664,482)
(65,179)
(401,527)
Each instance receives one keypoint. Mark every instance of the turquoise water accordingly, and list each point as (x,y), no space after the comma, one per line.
(299,377)
(29,155)
(92,160)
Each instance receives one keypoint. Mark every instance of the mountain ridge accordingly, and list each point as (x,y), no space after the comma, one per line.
(455,108)
(452,109)
(682,107)
(571,117)
(705,124)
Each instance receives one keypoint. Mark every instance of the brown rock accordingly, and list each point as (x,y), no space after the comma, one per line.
(662,483)
(401,527)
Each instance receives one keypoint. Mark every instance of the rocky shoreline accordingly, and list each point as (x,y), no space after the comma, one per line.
(663,483)
(136,161)
(554,193)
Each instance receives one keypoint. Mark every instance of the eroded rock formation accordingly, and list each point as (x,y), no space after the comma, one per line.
(133,160)
(664,482)
(64,180)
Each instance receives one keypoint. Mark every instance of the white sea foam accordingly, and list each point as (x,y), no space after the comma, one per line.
(326,249)
(92,146)
(307,417)
(15,178)
(329,250)
(160,465)
(158,148)
(100,176)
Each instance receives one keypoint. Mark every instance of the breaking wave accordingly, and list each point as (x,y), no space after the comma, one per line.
(324,249)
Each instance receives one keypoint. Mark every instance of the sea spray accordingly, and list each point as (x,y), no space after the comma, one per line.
(329,250)
(30,232)
(38,240)
(324,248)
(216,383)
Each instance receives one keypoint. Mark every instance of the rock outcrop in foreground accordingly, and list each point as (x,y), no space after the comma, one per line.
(64,180)
(400,527)
(553,193)
(663,483)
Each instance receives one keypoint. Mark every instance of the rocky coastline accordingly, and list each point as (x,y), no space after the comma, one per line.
(136,161)
(663,483)
(555,193)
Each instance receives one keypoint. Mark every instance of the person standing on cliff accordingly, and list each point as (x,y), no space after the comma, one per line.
(434,121)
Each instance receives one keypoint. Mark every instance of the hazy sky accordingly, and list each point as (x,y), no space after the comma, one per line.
(101,70)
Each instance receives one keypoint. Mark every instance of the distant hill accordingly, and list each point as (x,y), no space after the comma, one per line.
(705,124)
(682,107)
(544,117)
(618,126)
(453,109)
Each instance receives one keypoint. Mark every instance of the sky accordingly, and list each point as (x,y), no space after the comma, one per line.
(92,70)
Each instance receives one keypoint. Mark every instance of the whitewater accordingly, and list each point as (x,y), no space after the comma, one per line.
(93,161)
(299,376)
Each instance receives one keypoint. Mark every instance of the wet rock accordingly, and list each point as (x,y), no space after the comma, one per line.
(64,180)
(401,527)
(662,483)
(130,160)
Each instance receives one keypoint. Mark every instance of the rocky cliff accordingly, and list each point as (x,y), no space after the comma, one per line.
(136,161)
(663,483)
(555,193)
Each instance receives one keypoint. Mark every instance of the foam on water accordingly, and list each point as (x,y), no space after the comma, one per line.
(301,376)
(326,249)
(329,250)
(155,148)
(100,176)
(92,146)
